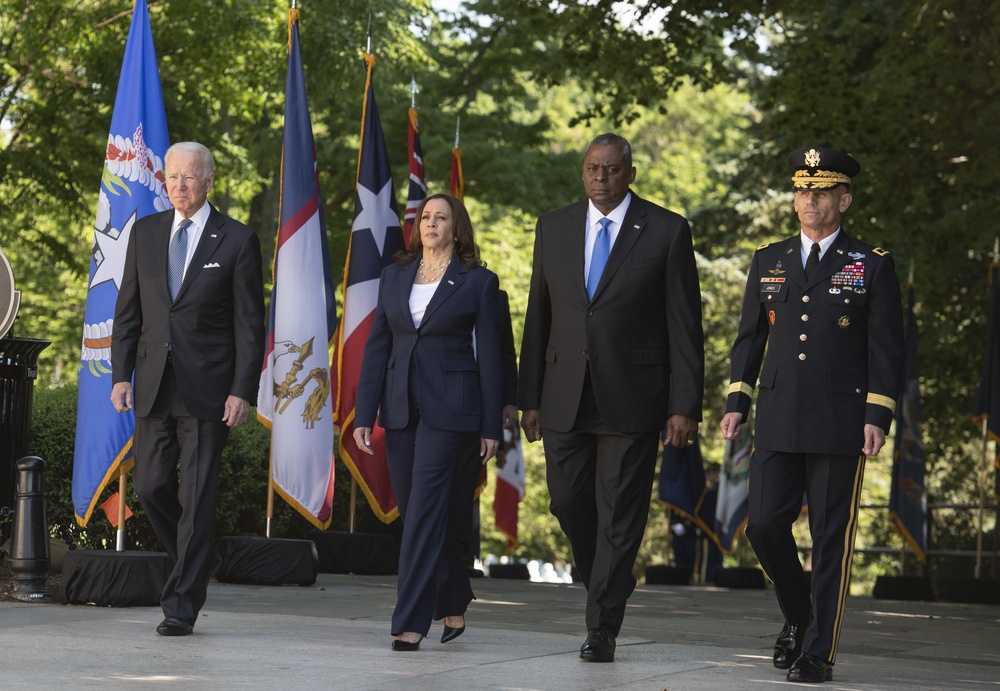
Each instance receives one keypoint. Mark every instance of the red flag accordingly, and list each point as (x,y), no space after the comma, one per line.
(511,481)
(457,185)
(110,508)
(375,237)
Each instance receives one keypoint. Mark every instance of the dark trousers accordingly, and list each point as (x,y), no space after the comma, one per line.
(600,482)
(832,485)
(181,509)
(433,474)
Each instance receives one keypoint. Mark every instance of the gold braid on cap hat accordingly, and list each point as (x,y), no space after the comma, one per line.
(818,179)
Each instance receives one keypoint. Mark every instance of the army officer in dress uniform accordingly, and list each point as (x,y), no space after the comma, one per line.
(826,310)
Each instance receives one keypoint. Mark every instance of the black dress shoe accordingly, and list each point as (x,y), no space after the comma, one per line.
(399,645)
(172,626)
(810,670)
(789,644)
(450,634)
(599,647)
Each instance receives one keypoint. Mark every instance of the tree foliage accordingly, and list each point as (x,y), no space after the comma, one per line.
(713,95)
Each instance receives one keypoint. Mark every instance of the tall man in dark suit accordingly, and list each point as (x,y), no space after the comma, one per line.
(826,308)
(189,324)
(612,352)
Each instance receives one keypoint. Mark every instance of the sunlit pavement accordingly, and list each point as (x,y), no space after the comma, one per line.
(521,635)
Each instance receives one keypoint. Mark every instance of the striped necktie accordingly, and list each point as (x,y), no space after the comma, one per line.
(176,254)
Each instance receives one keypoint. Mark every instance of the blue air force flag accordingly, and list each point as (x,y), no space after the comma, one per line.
(131,187)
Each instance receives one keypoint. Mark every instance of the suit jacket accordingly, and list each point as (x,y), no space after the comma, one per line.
(214,329)
(833,360)
(640,336)
(508,353)
(458,389)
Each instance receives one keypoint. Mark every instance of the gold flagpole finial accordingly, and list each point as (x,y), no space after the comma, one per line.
(369,48)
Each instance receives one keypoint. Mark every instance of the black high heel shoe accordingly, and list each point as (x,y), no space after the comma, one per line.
(450,634)
(399,645)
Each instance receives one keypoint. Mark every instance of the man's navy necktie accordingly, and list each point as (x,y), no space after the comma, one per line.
(813,261)
(176,254)
(599,257)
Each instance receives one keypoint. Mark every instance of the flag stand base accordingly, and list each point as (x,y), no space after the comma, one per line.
(368,554)
(513,571)
(664,574)
(971,591)
(255,560)
(903,588)
(749,578)
(107,578)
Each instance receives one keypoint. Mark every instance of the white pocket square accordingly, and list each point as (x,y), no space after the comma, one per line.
(211,265)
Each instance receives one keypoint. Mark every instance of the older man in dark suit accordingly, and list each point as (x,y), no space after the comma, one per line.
(825,310)
(612,352)
(189,324)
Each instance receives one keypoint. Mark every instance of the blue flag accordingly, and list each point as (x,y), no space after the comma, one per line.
(294,397)
(682,482)
(132,186)
(908,495)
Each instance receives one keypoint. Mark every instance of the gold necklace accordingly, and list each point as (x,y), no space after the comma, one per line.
(433,273)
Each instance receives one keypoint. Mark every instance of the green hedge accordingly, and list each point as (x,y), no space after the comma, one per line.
(242,507)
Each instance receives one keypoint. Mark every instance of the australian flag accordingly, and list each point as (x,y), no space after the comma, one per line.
(418,182)
(132,186)
(375,237)
(988,400)
(908,495)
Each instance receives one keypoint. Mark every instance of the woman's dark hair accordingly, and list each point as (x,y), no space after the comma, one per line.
(465,239)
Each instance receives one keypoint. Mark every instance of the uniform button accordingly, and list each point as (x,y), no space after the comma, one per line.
(802,356)
(857,391)
(803,337)
(166,345)
(590,313)
(770,297)
(805,298)
(847,301)
(805,317)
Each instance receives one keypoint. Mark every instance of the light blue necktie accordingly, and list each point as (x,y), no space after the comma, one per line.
(599,257)
(176,254)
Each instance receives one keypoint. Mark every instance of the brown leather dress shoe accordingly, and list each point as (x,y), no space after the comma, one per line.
(810,670)
(788,646)
(599,647)
(172,626)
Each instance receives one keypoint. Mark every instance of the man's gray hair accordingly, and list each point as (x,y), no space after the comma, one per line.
(201,151)
(611,139)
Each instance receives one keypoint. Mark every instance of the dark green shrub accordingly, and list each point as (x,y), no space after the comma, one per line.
(242,494)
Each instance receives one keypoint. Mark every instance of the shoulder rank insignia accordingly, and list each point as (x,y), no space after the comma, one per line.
(880,252)
(766,244)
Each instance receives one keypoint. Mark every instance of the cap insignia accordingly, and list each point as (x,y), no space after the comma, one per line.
(812,158)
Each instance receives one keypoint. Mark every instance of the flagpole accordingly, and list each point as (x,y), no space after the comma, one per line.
(369,58)
(902,549)
(122,484)
(982,498)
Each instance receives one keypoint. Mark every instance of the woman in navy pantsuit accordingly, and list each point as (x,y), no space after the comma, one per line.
(432,371)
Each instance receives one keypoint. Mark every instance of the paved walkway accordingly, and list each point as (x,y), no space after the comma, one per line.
(521,635)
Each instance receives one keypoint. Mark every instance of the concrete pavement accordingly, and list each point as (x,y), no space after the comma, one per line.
(521,635)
